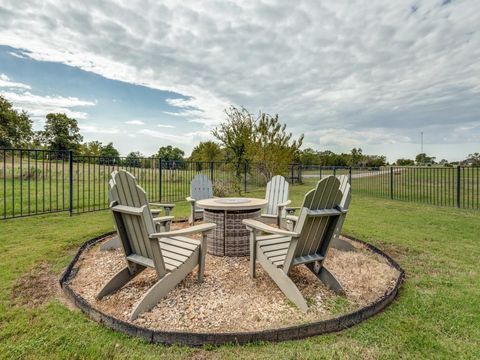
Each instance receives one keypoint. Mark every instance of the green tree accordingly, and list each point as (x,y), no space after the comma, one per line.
(405,162)
(134,159)
(92,148)
(61,133)
(170,153)
(309,156)
(207,151)
(374,160)
(356,157)
(109,151)
(272,149)
(15,126)
(423,159)
(474,159)
(236,134)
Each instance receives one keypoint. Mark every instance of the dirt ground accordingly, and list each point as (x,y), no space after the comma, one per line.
(229,300)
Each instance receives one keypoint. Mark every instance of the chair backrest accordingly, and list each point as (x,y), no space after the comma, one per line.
(201,187)
(276,193)
(318,222)
(134,227)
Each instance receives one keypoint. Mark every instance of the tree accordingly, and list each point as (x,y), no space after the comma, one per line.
(170,153)
(15,127)
(207,151)
(92,148)
(374,160)
(405,162)
(109,151)
(272,149)
(61,133)
(356,157)
(235,134)
(134,159)
(423,159)
(474,159)
(309,157)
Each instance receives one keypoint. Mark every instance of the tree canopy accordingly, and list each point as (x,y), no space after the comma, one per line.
(170,153)
(207,151)
(271,147)
(61,133)
(236,134)
(15,126)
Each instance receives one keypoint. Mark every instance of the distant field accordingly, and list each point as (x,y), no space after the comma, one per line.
(43,186)
(37,186)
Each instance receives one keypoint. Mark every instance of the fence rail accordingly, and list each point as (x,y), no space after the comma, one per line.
(40,181)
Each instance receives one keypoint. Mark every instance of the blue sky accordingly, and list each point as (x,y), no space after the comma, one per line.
(346,74)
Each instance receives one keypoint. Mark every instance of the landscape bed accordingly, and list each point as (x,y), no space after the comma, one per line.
(229,307)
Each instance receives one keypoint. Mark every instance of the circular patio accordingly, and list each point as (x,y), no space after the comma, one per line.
(229,306)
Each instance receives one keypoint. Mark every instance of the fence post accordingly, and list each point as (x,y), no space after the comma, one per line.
(211,172)
(458,186)
(350,175)
(320,171)
(70,181)
(160,180)
(291,174)
(245,177)
(391,182)
(334,171)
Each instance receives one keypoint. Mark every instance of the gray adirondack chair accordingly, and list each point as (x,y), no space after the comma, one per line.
(200,188)
(170,253)
(337,242)
(321,217)
(277,197)
(162,223)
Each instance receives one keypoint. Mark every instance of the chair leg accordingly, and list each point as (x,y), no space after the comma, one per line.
(284,282)
(111,244)
(343,245)
(118,280)
(201,258)
(253,253)
(325,276)
(163,286)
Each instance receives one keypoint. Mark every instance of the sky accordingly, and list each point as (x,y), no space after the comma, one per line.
(370,74)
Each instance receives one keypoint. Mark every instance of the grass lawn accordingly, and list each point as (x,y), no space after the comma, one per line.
(436,316)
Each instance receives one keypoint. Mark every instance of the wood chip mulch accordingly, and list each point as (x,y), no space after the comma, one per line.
(229,300)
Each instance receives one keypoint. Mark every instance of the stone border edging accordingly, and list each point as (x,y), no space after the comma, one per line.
(197,339)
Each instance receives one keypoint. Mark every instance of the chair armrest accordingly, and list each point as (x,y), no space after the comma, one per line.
(284,204)
(130,210)
(187,231)
(190,200)
(257,225)
(293,218)
(163,218)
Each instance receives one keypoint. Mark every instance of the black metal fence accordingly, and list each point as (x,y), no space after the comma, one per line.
(444,186)
(41,181)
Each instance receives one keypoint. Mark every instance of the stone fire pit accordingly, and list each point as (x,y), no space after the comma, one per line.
(231,237)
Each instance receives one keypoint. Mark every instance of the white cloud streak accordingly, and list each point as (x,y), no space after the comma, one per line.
(39,106)
(5,82)
(134,122)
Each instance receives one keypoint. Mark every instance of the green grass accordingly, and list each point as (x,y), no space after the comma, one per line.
(436,315)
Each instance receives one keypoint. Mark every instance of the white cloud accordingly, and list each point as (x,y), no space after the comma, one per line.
(165,126)
(97,129)
(134,122)
(359,69)
(186,138)
(5,82)
(39,106)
